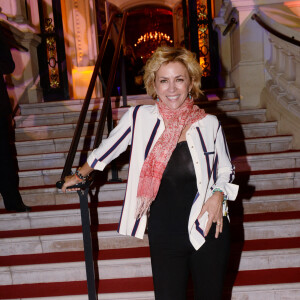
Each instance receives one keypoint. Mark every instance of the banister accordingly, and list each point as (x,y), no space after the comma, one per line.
(110,82)
(286,38)
(232,22)
(83,194)
(86,103)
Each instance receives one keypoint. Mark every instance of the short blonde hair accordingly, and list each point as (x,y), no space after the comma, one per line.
(164,55)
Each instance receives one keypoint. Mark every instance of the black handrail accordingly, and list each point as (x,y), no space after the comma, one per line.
(8,38)
(86,103)
(106,113)
(232,22)
(291,40)
(111,77)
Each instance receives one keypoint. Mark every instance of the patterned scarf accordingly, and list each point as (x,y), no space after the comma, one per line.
(157,160)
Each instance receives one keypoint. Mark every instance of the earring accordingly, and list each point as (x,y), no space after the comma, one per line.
(157,99)
(190,95)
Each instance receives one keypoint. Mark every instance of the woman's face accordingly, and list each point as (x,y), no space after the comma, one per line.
(172,84)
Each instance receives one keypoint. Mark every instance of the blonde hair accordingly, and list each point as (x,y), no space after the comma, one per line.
(164,55)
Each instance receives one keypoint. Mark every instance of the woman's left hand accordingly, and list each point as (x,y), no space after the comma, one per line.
(214,207)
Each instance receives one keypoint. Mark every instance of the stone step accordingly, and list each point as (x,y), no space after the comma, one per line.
(75,271)
(44,196)
(66,129)
(275,201)
(259,202)
(66,112)
(260,145)
(229,104)
(56,145)
(53,159)
(243,116)
(66,242)
(109,212)
(250,130)
(288,291)
(56,107)
(276,179)
(133,267)
(45,242)
(267,161)
(261,181)
(250,162)
(52,145)
(56,218)
(40,133)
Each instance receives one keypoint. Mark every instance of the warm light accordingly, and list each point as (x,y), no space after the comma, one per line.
(294,6)
(153,36)
(81,78)
(292,3)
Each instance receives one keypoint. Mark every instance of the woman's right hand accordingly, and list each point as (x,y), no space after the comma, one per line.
(69,181)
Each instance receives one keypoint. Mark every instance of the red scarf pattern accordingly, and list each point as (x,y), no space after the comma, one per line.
(157,160)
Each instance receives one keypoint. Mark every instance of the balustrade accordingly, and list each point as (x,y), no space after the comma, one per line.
(282,65)
(281,94)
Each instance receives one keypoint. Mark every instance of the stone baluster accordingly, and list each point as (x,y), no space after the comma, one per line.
(272,59)
(279,60)
(297,78)
(290,71)
(297,71)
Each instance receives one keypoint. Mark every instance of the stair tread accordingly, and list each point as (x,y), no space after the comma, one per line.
(137,252)
(73,124)
(68,136)
(260,217)
(138,284)
(238,173)
(259,179)
(236,158)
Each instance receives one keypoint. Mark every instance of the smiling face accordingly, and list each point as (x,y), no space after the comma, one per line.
(172,84)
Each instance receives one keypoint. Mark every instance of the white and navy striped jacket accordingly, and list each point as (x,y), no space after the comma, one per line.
(140,127)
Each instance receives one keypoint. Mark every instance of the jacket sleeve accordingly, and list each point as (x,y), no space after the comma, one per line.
(116,143)
(224,170)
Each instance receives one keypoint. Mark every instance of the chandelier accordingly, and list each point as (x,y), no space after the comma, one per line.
(154,36)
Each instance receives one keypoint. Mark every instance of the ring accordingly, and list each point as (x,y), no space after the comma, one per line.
(218,223)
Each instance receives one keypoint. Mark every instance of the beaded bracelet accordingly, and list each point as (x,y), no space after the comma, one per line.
(219,190)
(80,176)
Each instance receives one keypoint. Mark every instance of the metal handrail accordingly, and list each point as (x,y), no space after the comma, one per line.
(106,113)
(286,38)
(86,103)
(107,103)
(232,22)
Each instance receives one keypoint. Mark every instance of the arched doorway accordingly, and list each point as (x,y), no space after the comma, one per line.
(147,28)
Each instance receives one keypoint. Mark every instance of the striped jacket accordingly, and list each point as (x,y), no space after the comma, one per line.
(140,127)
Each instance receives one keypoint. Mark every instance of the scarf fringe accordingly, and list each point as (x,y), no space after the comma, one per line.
(143,205)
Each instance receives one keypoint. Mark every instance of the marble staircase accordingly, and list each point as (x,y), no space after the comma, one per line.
(41,252)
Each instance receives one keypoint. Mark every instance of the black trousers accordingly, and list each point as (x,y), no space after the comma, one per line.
(9,182)
(174,259)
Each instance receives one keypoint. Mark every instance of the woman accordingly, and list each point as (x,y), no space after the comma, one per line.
(180,177)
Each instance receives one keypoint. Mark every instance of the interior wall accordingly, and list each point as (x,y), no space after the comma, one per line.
(81,44)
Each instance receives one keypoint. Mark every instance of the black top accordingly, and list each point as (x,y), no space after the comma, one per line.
(170,211)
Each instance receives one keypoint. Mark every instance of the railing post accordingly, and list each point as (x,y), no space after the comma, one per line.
(106,112)
(113,164)
(123,80)
(290,70)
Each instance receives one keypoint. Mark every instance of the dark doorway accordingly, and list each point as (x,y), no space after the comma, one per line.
(147,28)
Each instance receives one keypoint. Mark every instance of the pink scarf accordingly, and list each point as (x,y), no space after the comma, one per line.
(157,160)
